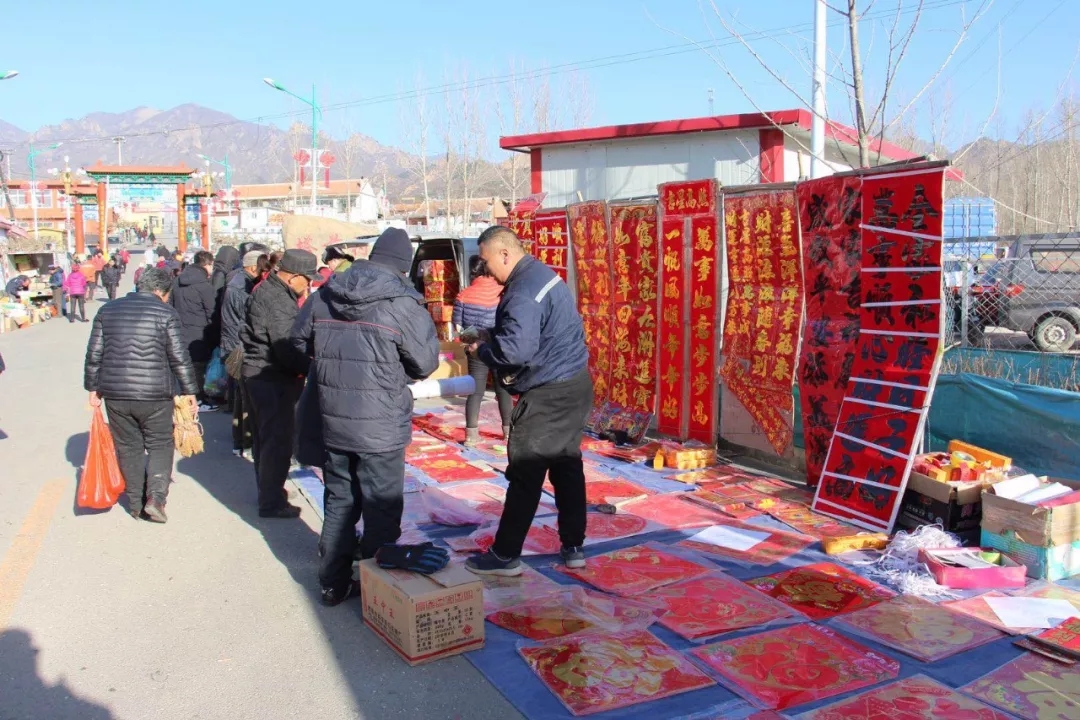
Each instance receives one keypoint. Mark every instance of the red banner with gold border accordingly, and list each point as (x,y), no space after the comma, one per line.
(704,321)
(635,250)
(551,239)
(687,397)
(672,393)
(761,332)
(592,265)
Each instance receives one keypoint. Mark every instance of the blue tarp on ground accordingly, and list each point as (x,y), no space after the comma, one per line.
(1037,427)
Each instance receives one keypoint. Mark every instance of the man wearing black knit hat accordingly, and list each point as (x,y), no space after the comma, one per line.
(368,335)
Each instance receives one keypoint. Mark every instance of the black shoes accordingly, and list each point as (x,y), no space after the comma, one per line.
(491,564)
(155,511)
(336,596)
(285,512)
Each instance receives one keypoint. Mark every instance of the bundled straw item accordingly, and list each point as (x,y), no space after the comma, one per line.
(187,432)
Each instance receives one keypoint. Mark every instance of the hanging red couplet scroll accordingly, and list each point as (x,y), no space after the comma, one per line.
(635,247)
(592,265)
(830,212)
(761,332)
(551,238)
(689,310)
(520,219)
(898,353)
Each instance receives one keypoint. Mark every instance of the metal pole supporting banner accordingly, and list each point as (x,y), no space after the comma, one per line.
(314,148)
(817,123)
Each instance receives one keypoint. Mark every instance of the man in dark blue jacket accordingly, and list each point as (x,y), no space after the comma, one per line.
(537,349)
(368,335)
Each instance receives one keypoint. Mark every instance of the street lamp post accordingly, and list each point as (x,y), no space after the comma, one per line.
(223,163)
(31,161)
(316,112)
(65,176)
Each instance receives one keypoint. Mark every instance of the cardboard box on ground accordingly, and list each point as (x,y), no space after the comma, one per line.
(1046,540)
(957,507)
(423,617)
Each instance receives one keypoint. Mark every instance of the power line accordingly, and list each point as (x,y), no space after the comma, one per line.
(588,64)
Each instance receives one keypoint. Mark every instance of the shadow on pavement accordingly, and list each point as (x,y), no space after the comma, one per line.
(24,694)
(374,673)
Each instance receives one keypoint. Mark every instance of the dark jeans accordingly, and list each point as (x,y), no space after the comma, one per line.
(81,301)
(200,378)
(58,301)
(110,291)
(368,485)
(545,439)
(241,422)
(142,431)
(91,288)
(272,404)
(479,372)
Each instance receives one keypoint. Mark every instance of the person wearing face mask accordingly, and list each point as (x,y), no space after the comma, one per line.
(273,375)
(194,298)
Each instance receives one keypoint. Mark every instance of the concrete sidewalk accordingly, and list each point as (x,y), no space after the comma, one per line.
(214,615)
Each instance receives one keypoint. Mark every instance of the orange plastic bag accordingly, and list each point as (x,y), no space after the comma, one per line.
(101,482)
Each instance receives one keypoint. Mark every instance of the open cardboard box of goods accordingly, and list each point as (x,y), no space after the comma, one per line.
(423,617)
(1045,539)
(957,506)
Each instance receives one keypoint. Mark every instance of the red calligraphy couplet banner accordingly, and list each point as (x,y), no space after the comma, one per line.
(761,332)
(593,267)
(704,321)
(635,246)
(689,310)
(520,219)
(830,212)
(898,353)
(551,238)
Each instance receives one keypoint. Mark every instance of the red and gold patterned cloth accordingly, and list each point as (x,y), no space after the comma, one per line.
(592,673)
(913,698)
(635,246)
(595,297)
(713,604)
(794,665)
(830,210)
(821,590)
(761,332)
(1031,687)
(635,570)
(918,628)
(451,467)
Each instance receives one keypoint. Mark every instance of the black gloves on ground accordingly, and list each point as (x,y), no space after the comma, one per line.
(424,558)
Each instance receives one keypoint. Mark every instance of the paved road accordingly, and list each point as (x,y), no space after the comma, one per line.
(214,615)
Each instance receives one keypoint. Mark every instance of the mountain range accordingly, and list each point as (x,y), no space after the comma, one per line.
(257,153)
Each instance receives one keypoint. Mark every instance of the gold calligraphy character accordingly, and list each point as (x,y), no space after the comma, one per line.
(765,271)
(703,199)
(767,294)
(671,376)
(701,356)
(647,288)
(760,368)
(700,383)
(672,261)
(764,316)
(680,201)
(704,242)
(643,399)
(672,344)
(670,409)
(644,233)
(788,294)
(703,327)
(784,345)
(704,269)
(647,262)
(702,301)
(699,415)
(788,317)
(762,344)
(622,339)
(671,288)
(782,370)
(618,393)
(789,270)
(619,372)
(671,315)
(646,344)
(624,313)
(763,222)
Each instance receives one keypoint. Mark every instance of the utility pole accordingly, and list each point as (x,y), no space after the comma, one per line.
(817,123)
(119,140)
(711,111)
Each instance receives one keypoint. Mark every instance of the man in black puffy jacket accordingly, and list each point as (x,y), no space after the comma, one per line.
(194,298)
(369,335)
(274,373)
(134,360)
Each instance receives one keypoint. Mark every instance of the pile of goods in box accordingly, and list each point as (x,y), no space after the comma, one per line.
(963,463)
(441,286)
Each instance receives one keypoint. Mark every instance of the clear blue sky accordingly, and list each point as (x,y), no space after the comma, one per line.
(77,57)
